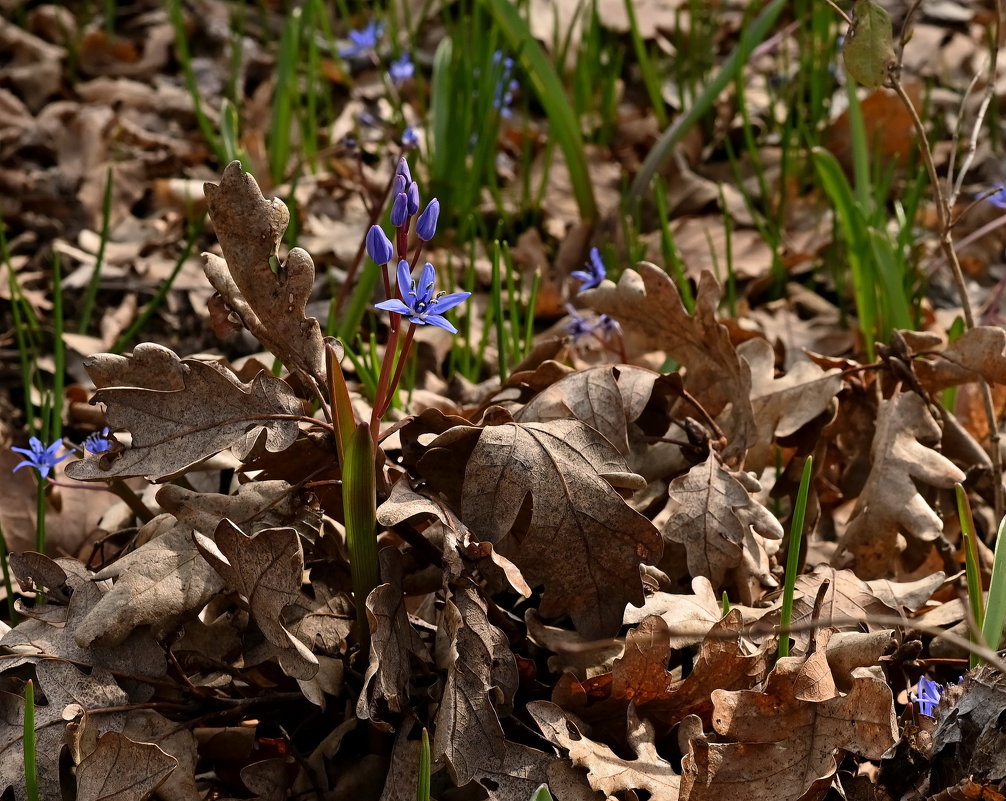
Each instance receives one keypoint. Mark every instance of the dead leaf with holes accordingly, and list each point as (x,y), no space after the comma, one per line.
(267,569)
(174,429)
(544,495)
(467,733)
(269,297)
(62,693)
(606,771)
(891,506)
(649,308)
(122,770)
(783,405)
(787,737)
(728,536)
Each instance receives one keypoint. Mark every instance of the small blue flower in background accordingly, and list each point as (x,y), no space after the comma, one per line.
(418,302)
(98,442)
(409,137)
(928,696)
(378,245)
(401,69)
(608,325)
(594,273)
(364,40)
(426,225)
(43,458)
(578,326)
(998,198)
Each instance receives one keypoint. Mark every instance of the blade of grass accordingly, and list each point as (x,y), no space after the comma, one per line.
(661,151)
(565,128)
(28,743)
(975,601)
(793,556)
(91,293)
(995,612)
(423,780)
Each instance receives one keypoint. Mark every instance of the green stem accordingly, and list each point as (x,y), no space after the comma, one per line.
(359,501)
(793,556)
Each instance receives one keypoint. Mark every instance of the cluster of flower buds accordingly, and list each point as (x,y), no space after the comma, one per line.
(414,300)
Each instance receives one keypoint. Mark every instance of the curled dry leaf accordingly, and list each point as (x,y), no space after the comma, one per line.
(468,733)
(271,301)
(580,539)
(977,353)
(725,532)
(606,771)
(647,304)
(174,429)
(267,569)
(891,504)
(782,406)
(122,770)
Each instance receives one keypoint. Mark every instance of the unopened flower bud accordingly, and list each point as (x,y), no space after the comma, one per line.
(400,210)
(413,195)
(378,245)
(426,225)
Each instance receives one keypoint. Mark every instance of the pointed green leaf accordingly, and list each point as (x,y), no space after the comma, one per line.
(869,46)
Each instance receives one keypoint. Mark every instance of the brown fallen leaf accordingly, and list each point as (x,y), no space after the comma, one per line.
(62,693)
(782,406)
(468,734)
(787,736)
(270,298)
(606,771)
(647,304)
(891,504)
(172,430)
(977,353)
(122,770)
(267,569)
(725,532)
(580,540)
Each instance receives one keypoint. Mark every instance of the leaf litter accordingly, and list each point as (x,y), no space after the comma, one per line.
(579,564)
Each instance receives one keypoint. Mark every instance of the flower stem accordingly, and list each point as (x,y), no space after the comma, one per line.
(393,387)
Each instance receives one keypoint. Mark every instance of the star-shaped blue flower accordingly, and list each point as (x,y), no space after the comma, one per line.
(43,458)
(99,441)
(401,69)
(998,198)
(594,273)
(418,302)
(364,40)
(928,696)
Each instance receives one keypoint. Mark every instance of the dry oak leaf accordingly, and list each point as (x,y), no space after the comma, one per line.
(725,532)
(271,302)
(582,541)
(62,693)
(782,406)
(267,569)
(122,770)
(468,734)
(977,353)
(174,429)
(891,504)
(649,308)
(606,771)
(788,735)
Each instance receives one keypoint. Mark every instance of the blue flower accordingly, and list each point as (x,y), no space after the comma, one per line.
(378,245)
(401,69)
(594,273)
(98,442)
(998,198)
(578,326)
(399,209)
(426,225)
(364,40)
(398,185)
(42,458)
(418,302)
(412,193)
(403,170)
(928,696)
(409,137)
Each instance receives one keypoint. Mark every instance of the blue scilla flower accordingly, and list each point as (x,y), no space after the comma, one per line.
(412,193)
(578,326)
(403,170)
(418,302)
(399,209)
(426,225)
(998,198)
(928,696)
(409,137)
(401,69)
(99,442)
(378,245)
(363,40)
(593,274)
(42,457)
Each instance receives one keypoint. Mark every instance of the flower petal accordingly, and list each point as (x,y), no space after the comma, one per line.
(440,305)
(394,305)
(440,322)
(404,279)
(427,281)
